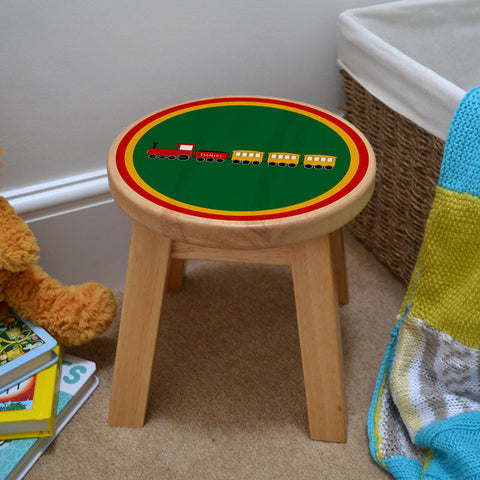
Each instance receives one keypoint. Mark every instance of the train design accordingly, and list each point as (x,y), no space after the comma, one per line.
(185,151)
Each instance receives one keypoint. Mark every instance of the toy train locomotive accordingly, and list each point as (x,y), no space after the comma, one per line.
(185,151)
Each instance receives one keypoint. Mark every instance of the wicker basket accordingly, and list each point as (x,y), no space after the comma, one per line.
(408,166)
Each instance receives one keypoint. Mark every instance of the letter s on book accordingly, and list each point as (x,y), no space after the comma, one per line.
(74,374)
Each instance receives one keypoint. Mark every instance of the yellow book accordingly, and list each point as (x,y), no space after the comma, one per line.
(28,408)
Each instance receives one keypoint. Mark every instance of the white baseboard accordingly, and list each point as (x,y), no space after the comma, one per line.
(60,197)
(82,234)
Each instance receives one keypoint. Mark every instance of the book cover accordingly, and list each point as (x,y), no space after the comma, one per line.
(25,349)
(28,408)
(77,383)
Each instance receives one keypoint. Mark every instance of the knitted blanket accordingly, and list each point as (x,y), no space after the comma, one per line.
(424,421)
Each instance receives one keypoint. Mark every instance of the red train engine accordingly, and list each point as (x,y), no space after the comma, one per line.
(184,151)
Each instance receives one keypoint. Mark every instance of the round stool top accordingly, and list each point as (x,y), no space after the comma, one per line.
(241,172)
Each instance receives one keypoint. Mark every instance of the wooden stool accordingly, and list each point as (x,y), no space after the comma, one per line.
(258,180)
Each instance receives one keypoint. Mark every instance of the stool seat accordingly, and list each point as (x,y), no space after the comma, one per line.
(258,180)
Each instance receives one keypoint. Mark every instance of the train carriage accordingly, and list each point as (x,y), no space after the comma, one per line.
(247,156)
(283,159)
(211,156)
(319,161)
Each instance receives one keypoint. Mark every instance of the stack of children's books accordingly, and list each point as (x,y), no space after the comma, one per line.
(41,388)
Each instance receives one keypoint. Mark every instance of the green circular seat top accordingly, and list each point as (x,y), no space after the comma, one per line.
(242,158)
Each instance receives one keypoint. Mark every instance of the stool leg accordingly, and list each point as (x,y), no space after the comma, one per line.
(338,258)
(320,339)
(139,323)
(176,275)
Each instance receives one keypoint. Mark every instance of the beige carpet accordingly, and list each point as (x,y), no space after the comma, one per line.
(227,399)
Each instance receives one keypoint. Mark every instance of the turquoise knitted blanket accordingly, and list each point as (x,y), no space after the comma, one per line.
(424,421)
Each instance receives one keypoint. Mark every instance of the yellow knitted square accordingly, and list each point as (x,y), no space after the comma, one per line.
(446,293)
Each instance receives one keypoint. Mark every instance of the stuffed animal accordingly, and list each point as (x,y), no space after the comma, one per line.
(72,314)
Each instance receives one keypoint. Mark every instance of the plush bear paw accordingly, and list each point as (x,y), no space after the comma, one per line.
(79,313)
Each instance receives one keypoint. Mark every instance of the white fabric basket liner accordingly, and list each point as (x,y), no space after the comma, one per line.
(419,57)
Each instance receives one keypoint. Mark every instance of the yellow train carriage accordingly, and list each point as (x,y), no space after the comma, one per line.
(319,161)
(247,156)
(283,159)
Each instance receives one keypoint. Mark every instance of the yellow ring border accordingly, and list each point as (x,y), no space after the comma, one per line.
(354,160)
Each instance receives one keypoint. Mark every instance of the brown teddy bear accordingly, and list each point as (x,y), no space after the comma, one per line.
(72,314)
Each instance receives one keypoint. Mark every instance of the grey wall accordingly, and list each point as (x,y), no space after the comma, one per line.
(75,73)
